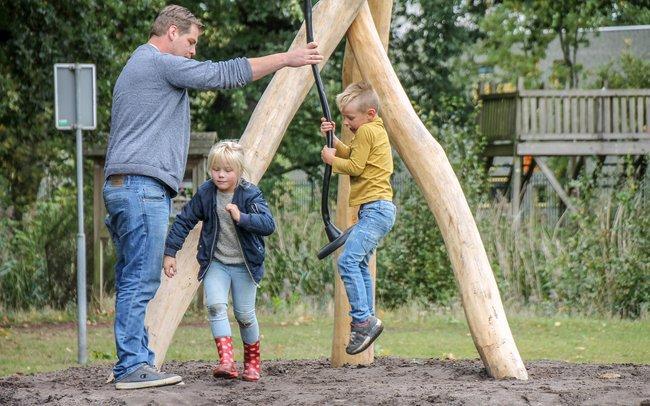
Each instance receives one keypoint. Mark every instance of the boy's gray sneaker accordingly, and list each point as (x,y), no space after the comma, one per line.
(361,336)
(146,377)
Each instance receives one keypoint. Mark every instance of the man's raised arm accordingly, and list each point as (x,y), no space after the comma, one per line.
(264,65)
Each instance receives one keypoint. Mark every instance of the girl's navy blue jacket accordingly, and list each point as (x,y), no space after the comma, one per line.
(255,221)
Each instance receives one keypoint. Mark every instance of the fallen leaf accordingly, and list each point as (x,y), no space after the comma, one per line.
(610,375)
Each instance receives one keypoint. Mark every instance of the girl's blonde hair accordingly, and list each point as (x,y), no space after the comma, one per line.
(362,94)
(227,154)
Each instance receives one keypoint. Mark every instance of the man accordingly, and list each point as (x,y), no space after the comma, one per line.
(145,163)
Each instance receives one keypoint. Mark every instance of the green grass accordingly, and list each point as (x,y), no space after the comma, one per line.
(28,348)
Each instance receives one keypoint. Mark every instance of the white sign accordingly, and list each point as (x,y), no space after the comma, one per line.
(75,104)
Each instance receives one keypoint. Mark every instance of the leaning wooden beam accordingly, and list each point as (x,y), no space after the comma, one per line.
(541,162)
(347,216)
(288,89)
(430,167)
(262,136)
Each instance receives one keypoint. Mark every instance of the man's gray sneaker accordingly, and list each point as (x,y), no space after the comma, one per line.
(146,377)
(362,335)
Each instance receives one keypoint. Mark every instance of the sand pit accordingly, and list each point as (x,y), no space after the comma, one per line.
(389,381)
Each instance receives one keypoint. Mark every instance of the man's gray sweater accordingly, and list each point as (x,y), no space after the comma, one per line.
(150,118)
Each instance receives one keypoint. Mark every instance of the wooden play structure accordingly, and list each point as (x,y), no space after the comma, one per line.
(533,125)
(365,58)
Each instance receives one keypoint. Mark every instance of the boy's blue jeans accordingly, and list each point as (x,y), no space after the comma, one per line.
(375,221)
(138,213)
(219,280)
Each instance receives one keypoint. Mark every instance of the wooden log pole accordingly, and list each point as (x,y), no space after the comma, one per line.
(260,140)
(346,216)
(428,164)
(166,309)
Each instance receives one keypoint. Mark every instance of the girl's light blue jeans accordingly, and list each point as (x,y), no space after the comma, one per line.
(219,280)
(375,221)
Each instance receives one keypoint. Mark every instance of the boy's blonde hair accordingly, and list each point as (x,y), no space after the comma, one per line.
(361,93)
(227,154)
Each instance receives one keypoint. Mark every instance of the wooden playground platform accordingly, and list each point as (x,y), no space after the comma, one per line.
(531,125)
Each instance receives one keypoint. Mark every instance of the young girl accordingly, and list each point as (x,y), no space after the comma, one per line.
(231,253)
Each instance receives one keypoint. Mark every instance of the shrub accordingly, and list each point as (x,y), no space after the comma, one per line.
(38,255)
(293,272)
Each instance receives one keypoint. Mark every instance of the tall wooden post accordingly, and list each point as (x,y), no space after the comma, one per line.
(347,216)
(433,173)
(515,187)
(98,229)
(260,140)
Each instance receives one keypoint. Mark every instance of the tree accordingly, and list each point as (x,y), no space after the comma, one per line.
(517,34)
(626,12)
(571,21)
(429,39)
(513,40)
(34,36)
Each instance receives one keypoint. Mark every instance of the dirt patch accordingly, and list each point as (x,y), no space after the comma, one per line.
(389,381)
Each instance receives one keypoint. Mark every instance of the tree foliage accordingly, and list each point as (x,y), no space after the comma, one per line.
(34,36)
(428,49)
(517,34)
(514,41)
(630,72)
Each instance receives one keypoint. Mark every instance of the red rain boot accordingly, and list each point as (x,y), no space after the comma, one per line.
(252,362)
(227,367)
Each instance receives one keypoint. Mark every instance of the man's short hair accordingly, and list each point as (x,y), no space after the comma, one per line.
(174,15)
(362,94)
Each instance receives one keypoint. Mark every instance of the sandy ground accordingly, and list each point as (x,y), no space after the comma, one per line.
(389,381)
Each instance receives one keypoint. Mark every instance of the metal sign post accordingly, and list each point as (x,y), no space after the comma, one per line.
(75,108)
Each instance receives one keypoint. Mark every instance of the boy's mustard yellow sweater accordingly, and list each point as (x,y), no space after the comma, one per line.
(369,162)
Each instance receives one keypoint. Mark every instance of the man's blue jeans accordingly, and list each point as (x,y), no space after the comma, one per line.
(375,221)
(221,279)
(138,214)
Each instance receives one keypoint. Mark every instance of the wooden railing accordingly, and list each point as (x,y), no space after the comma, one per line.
(569,122)
(584,114)
(498,117)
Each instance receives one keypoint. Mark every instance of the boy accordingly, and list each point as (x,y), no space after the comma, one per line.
(369,162)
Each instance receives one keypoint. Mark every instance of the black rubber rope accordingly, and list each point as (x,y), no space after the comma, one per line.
(334,235)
